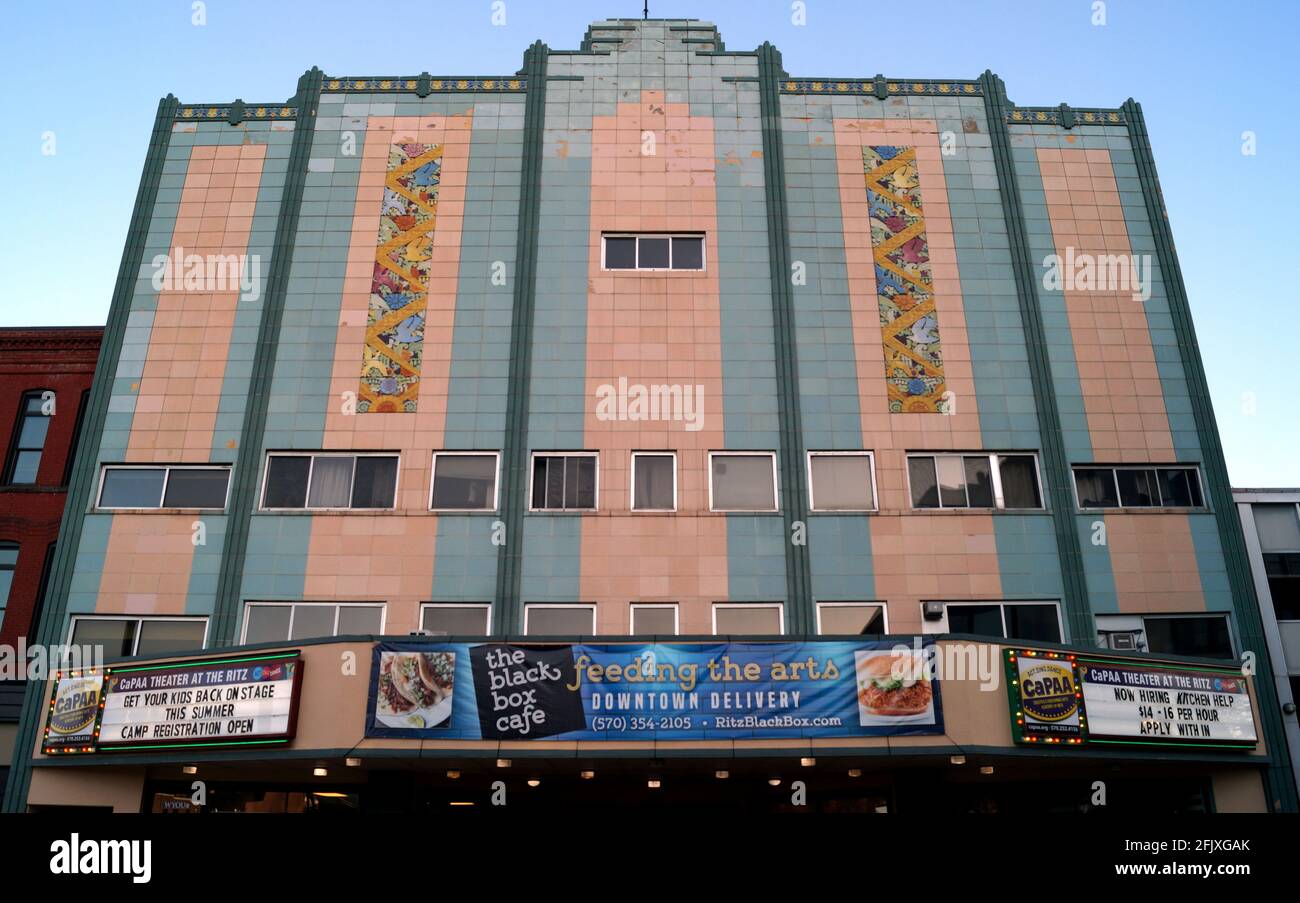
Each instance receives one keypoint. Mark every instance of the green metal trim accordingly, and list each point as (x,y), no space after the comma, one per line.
(1056,465)
(795,504)
(1278,778)
(243,493)
(882,87)
(394,84)
(86,457)
(515,453)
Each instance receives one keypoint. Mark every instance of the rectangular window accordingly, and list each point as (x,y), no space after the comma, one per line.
(559,620)
(8,564)
(455,619)
(164,486)
(841,481)
(1202,635)
(76,437)
(139,636)
(850,618)
(653,251)
(1283,572)
(29,439)
(758,618)
(278,622)
(564,482)
(654,619)
(654,481)
(1278,527)
(464,481)
(1009,620)
(1206,636)
(325,481)
(1138,487)
(742,481)
(974,480)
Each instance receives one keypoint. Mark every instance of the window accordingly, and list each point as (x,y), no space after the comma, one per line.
(139,636)
(748,618)
(974,481)
(1191,635)
(29,440)
(559,620)
(464,481)
(278,622)
(652,620)
(1138,487)
(1278,527)
(742,481)
(654,251)
(8,564)
(850,618)
(76,436)
(328,481)
(164,487)
(564,482)
(457,619)
(1207,636)
(841,481)
(1010,620)
(1283,572)
(654,481)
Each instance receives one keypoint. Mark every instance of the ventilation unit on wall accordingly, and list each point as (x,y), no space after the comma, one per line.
(1129,640)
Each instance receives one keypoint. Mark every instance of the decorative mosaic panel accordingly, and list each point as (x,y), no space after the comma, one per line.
(904,283)
(390,367)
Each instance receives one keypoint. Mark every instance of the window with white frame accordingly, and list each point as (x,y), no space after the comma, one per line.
(1009,620)
(457,618)
(464,481)
(758,618)
(841,481)
(559,620)
(323,481)
(1204,635)
(974,480)
(742,481)
(278,622)
(8,565)
(121,636)
(654,619)
(652,251)
(164,486)
(654,481)
(850,618)
(564,481)
(1138,487)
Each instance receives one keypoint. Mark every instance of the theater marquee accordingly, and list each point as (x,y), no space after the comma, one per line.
(1069,699)
(234,701)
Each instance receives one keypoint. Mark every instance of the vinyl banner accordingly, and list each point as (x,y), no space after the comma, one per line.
(663,691)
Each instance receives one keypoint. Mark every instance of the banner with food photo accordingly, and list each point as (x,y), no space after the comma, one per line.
(665,691)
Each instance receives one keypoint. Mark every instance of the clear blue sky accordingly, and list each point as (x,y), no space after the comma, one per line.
(92,73)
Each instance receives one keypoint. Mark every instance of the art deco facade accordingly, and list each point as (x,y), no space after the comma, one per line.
(732,351)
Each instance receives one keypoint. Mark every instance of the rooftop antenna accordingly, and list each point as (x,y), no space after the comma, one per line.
(645,10)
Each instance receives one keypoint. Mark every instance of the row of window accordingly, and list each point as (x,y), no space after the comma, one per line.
(570,481)
(276,622)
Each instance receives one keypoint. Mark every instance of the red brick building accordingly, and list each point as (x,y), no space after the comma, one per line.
(45,375)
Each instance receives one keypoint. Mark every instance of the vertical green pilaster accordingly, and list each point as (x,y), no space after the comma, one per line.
(1056,464)
(514,472)
(1280,783)
(85,462)
(794,506)
(243,496)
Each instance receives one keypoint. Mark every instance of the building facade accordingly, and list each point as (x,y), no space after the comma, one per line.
(1270,521)
(45,376)
(653,338)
